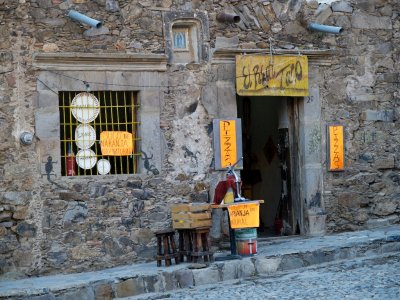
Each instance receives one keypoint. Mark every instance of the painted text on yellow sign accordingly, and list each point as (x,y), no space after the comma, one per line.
(258,75)
(244,215)
(228,142)
(116,143)
(336,148)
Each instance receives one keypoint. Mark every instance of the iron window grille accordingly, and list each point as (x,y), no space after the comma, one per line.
(117,112)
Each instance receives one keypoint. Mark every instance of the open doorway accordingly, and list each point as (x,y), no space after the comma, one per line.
(269,153)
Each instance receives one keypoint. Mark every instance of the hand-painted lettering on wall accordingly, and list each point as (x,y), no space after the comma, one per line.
(272,75)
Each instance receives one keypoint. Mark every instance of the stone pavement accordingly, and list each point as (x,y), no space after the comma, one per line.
(371,277)
(274,255)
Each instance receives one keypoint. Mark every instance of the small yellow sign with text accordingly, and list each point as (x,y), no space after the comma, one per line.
(244,215)
(116,143)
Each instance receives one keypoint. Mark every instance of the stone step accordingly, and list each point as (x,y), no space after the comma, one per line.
(273,256)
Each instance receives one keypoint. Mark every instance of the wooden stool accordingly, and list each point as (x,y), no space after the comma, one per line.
(185,244)
(166,247)
(201,245)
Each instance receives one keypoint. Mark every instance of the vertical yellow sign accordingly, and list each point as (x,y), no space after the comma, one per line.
(336,148)
(228,142)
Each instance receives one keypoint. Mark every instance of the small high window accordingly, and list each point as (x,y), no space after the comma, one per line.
(98,133)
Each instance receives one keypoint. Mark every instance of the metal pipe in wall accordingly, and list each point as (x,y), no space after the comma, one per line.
(325,28)
(77,16)
(228,18)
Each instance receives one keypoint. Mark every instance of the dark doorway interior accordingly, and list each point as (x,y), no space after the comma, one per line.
(267,169)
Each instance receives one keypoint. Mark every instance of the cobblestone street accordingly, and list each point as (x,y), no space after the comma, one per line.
(375,277)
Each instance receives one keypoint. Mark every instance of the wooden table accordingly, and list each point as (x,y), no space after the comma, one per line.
(232,231)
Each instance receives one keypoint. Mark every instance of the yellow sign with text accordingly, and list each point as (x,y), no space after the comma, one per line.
(244,215)
(265,75)
(116,143)
(336,148)
(228,142)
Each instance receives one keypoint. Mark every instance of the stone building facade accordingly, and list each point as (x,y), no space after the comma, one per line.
(53,223)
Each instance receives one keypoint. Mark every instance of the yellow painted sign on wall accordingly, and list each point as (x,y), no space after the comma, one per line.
(265,75)
(228,142)
(116,143)
(246,215)
(336,148)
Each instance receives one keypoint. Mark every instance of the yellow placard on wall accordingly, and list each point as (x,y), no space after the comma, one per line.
(228,142)
(116,143)
(336,147)
(266,75)
(244,215)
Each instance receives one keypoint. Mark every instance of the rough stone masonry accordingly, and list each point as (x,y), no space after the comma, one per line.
(96,222)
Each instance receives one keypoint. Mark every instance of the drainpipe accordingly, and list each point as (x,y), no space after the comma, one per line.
(228,18)
(324,28)
(74,15)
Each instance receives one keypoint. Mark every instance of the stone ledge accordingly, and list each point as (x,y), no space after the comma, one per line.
(75,61)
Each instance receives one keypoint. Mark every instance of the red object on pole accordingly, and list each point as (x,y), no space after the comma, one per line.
(70,162)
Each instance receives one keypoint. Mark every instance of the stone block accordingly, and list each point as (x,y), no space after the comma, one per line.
(245,268)
(290,263)
(184,278)
(47,98)
(169,281)
(227,107)
(81,293)
(150,99)
(342,6)
(209,100)
(365,21)
(20,214)
(153,284)
(15,198)
(382,115)
(385,208)
(322,14)
(83,252)
(317,224)
(76,212)
(224,42)
(206,276)
(25,229)
(391,247)
(267,265)
(349,199)
(229,271)
(312,105)
(103,292)
(5,215)
(41,297)
(382,163)
(47,123)
(130,287)
(312,141)
(93,31)
(312,186)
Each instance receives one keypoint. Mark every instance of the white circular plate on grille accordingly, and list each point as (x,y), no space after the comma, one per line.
(85,107)
(85,136)
(86,159)
(103,166)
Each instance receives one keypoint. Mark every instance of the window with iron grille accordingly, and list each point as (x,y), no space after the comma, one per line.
(98,133)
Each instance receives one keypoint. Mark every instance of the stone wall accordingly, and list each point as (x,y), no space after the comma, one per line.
(95,222)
